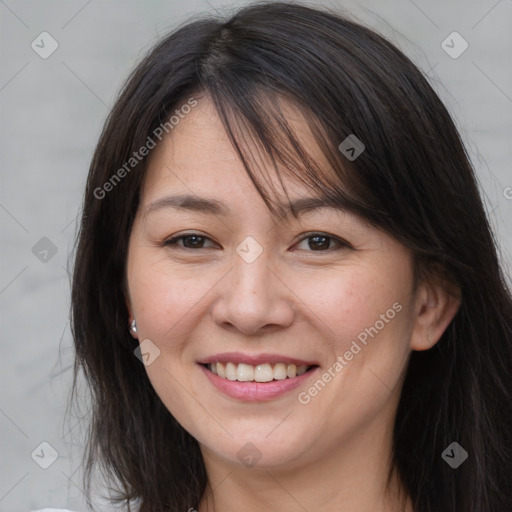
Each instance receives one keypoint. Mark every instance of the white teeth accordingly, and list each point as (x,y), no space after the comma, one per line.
(231,371)
(279,371)
(291,371)
(260,373)
(263,373)
(245,372)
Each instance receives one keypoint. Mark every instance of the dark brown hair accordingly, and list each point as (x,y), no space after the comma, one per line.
(414,181)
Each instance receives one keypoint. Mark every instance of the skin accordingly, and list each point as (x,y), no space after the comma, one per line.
(333,453)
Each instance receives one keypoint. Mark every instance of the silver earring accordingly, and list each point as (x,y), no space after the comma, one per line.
(133,327)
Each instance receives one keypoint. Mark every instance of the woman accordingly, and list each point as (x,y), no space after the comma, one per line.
(286,294)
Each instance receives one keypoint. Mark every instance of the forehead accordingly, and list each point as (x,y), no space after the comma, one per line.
(198,155)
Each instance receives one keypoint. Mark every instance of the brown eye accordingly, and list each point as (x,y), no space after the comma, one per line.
(191,241)
(321,242)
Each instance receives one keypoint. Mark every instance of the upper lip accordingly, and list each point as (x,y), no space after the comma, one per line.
(254,360)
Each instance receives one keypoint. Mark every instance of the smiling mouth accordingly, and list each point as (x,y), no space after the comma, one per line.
(267,372)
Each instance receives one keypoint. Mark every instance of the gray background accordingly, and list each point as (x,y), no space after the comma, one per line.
(51,114)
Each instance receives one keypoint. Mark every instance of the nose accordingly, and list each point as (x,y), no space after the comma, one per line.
(253,298)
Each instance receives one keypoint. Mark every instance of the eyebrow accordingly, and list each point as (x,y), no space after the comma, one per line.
(213,207)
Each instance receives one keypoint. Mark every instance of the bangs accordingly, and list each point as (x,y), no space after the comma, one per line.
(262,132)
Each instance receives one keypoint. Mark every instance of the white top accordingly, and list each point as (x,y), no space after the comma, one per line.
(52,510)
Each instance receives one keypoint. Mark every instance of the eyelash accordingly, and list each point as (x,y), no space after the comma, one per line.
(342,244)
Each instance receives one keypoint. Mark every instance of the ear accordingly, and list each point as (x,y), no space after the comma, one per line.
(437,303)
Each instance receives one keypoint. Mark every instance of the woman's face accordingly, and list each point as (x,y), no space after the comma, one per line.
(267,298)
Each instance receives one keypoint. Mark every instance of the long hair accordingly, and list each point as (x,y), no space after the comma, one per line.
(414,181)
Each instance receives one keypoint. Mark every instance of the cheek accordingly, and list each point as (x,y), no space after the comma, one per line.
(167,303)
(365,318)
(164,298)
(348,303)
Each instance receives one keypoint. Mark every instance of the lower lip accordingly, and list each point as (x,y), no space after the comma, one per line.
(256,391)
